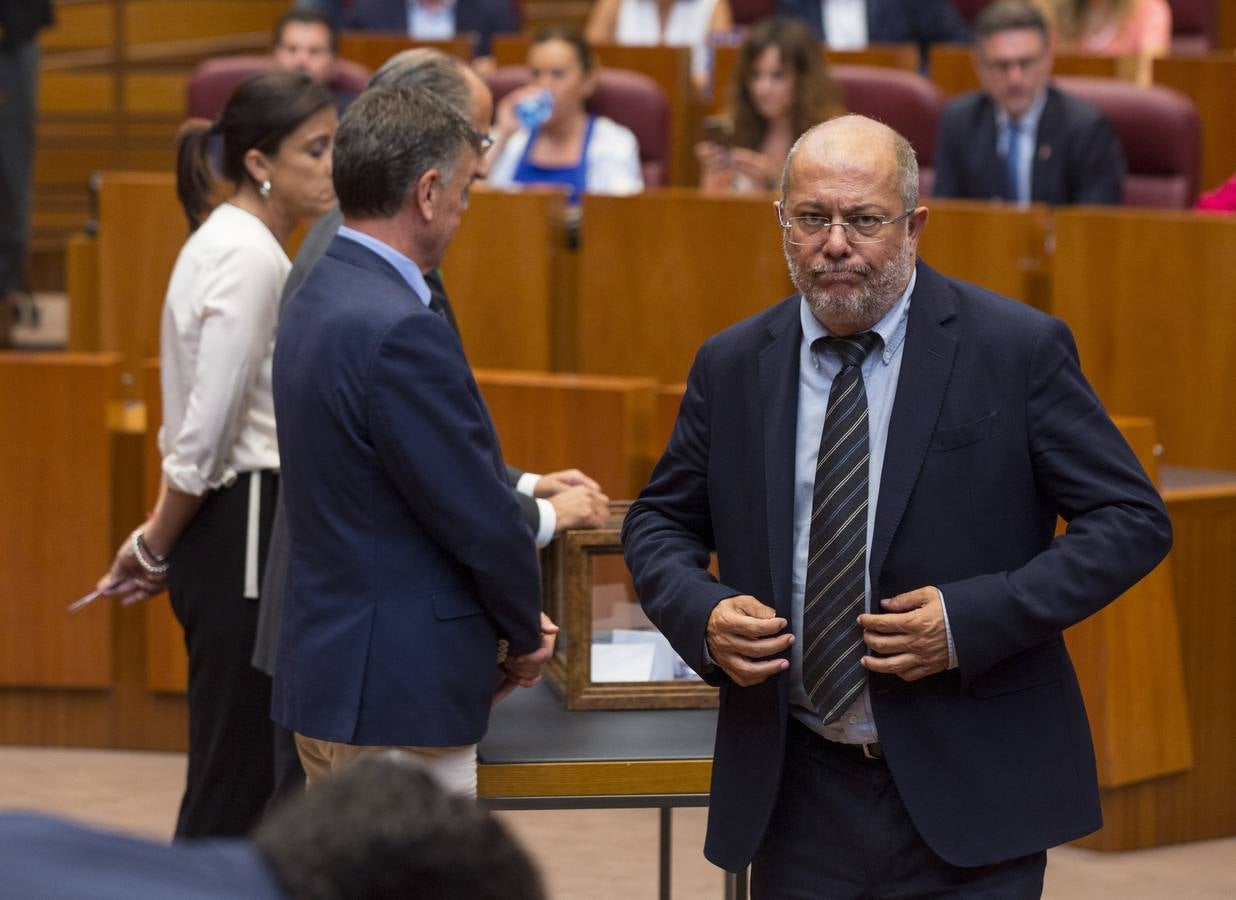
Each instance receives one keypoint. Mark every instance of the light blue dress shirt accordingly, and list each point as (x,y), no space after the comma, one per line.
(410,271)
(1027,141)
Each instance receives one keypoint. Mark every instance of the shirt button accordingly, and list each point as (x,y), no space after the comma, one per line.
(853,720)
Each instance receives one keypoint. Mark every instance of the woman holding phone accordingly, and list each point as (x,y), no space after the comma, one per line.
(780,88)
(206,537)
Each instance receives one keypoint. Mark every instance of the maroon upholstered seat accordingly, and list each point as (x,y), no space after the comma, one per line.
(1193,26)
(905,101)
(748,12)
(629,98)
(211,84)
(1161,135)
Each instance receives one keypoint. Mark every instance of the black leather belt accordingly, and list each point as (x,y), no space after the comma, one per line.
(873,752)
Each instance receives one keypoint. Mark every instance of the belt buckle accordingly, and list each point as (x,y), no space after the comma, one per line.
(867,751)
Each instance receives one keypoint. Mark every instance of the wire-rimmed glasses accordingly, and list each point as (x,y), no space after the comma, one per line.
(859,229)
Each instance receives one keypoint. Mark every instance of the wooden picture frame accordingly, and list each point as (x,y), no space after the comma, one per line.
(568,568)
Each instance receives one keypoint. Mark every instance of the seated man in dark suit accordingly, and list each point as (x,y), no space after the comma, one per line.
(380,830)
(1019,138)
(434,20)
(853,24)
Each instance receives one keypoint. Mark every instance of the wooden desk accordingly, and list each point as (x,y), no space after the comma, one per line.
(952,67)
(1149,301)
(538,755)
(1001,247)
(372,49)
(662,271)
(502,273)
(1210,82)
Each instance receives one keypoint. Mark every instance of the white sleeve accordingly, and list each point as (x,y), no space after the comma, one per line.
(502,172)
(239,302)
(613,160)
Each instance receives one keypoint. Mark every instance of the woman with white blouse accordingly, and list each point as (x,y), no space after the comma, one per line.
(206,537)
(673,23)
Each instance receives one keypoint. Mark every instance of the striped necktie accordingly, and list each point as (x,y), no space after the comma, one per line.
(1012,164)
(837,547)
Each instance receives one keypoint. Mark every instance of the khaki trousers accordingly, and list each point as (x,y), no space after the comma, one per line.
(453,767)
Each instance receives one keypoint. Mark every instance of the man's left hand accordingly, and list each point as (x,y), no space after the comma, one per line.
(557,482)
(910,635)
(525,671)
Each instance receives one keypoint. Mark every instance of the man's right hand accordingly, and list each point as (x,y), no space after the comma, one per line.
(742,632)
(579,507)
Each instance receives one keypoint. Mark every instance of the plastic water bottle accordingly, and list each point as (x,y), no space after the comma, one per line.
(534,111)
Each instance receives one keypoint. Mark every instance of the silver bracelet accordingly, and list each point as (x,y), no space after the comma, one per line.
(154,565)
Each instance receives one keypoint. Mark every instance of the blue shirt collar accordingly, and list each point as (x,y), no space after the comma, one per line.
(1029,122)
(891,328)
(405,267)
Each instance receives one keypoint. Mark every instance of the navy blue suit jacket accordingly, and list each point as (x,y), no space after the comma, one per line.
(41,856)
(921,22)
(484,18)
(994,432)
(1078,157)
(409,556)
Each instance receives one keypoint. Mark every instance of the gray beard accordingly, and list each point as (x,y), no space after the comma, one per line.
(853,309)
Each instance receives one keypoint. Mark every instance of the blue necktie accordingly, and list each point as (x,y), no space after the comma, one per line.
(837,545)
(1012,167)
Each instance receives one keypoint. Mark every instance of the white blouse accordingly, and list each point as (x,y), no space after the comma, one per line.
(218,337)
(688,25)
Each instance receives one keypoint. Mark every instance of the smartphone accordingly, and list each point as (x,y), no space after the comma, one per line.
(718,130)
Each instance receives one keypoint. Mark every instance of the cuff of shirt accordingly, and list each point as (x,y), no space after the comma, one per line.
(549,523)
(527,486)
(188,479)
(948,633)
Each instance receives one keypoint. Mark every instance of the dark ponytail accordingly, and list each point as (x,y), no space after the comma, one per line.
(195,176)
(261,113)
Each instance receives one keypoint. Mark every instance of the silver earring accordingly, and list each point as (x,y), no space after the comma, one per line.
(264,188)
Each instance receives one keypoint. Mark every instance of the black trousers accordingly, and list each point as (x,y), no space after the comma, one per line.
(230,732)
(840,831)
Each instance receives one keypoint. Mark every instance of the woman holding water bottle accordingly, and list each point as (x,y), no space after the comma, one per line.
(545,135)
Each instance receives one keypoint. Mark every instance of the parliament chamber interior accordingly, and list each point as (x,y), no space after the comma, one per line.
(581,326)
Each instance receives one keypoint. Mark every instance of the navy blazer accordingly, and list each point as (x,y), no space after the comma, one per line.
(921,22)
(994,432)
(409,556)
(1078,157)
(484,18)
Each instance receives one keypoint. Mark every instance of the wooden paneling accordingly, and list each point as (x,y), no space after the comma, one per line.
(76,92)
(662,271)
(1149,300)
(952,67)
(603,426)
(1210,81)
(55,525)
(669,399)
(159,21)
(167,663)
(372,50)
(81,26)
(155,93)
(139,219)
(1001,247)
(500,272)
(82,277)
(1201,802)
(1129,663)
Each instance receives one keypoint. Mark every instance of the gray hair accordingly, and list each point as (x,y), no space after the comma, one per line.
(907,163)
(427,69)
(388,139)
(1009,15)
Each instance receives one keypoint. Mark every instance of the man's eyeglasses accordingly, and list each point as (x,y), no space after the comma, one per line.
(1007,66)
(860,229)
(484,139)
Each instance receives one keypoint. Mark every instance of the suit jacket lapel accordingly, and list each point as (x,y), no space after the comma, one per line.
(778,374)
(991,165)
(1046,161)
(925,371)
